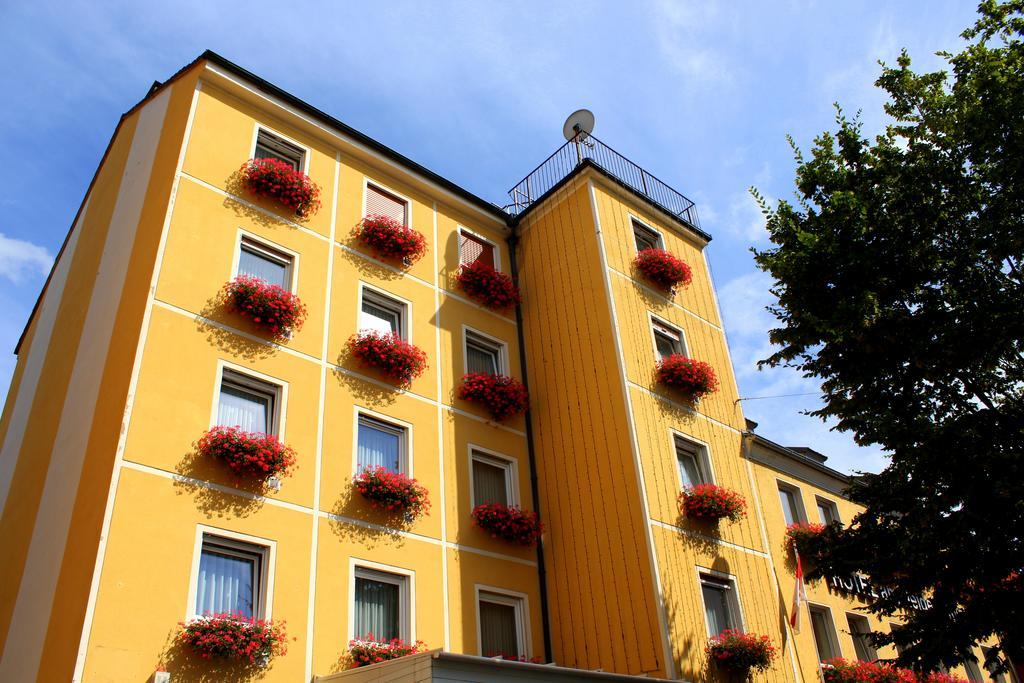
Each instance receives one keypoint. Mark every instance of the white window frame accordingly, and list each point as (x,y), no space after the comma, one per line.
(386,299)
(405,579)
(854,635)
(271,250)
(830,622)
(306,151)
(494,245)
(733,596)
(405,446)
(367,182)
(265,547)
(820,501)
(634,221)
(703,456)
(655,322)
(485,340)
(277,417)
(798,498)
(490,457)
(503,596)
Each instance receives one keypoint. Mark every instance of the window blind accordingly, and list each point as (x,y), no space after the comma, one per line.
(498,631)
(381,203)
(473,249)
(376,610)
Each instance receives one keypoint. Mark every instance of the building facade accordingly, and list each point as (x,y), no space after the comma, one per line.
(117,530)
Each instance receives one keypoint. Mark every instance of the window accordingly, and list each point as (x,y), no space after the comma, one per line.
(990,667)
(231,577)
(381,605)
(380,202)
(493,479)
(790,498)
(473,249)
(973,670)
(667,339)
(860,631)
(380,444)
(692,462)
(248,403)
(824,633)
(827,511)
(646,238)
(270,146)
(266,263)
(483,354)
(381,313)
(721,607)
(502,629)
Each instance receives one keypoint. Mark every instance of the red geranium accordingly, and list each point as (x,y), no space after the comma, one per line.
(392,491)
(389,239)
(270,306)
(366,651)
(248,453)
(502,396)
(839,670)
(692,378)
(388,353)
(663,269)
(712,503)
(798,534)
(508,523)
(276,179)
(488,286)
(741,652)
(232,636)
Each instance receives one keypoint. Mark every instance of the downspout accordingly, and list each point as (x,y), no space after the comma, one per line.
(513,241)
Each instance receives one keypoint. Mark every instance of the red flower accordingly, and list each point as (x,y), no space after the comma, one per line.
(248,453)
(232,636)
(487,286)
(692,378)
(364,651)
(270,306)
(392,492)
(391,355)
(508,523)
(799,533)
(711,502)
(741,652)
(278,180)
(663,269)
(839,670)
(502,396)
(389,239)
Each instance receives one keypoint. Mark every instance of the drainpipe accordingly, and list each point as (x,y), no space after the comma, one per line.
(513,241)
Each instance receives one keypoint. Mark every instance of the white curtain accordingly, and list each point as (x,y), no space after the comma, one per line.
(498,632)
(374,317)
(225,584)
(376,609)
(716,608)
(378,448)
(260,266)
(243,409)
(489,483)
(479,360)
(688,469)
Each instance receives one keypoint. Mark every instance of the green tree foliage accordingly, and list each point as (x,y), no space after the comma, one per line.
(898,273)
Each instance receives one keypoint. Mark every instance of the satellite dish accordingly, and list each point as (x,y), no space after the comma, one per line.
(580,122)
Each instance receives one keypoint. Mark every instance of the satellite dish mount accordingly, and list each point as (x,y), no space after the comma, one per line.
(577,129)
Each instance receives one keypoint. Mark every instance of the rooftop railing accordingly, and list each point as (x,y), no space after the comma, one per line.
(573,153)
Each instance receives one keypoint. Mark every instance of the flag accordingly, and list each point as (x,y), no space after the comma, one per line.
(799,595)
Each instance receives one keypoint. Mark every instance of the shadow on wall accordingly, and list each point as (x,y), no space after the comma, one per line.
(366,264)
(186,666)
(381,528)
(234,186)
(216,311)
(365,393)
(210,501)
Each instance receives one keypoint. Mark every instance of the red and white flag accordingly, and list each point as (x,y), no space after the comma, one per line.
(799,595)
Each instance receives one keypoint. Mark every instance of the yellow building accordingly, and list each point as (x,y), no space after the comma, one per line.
(117,530)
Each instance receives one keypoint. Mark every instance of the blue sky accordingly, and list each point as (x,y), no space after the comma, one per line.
(702,94)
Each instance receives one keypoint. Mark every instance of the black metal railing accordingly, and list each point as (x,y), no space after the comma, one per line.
(570,155)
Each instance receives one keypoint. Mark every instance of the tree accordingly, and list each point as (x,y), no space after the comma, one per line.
(898,273)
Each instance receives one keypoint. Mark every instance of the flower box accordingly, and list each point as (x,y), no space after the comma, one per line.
(839,670)
(663,269)
(694,379)
(798,535)
(234,637)
(389,239)
(366,651)
(272,307)
(740,652)
(275,179)
(252,454)
(487,286)
(503,397)
(508,522)
(392,492)
(389,354)
(710,503)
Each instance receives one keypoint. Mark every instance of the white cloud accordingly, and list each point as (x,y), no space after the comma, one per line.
(683,29)
(20,259)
